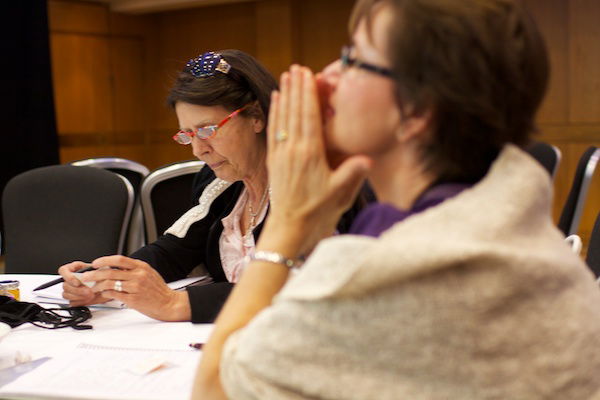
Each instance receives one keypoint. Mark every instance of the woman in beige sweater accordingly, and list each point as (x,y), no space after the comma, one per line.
(456,285)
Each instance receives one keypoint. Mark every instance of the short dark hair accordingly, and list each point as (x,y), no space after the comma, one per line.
(480,67)
(247,81)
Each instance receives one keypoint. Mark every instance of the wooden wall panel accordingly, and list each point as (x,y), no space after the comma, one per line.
(323,31)
(112,71)
(129,111)
(552,19)
(82,78)
(98,72)
(128,77)
(125,25)
(584,60)
(276,37)
(79,152)
(71,16)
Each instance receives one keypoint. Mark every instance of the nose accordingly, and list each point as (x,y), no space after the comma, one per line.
(200,147)
(332,72)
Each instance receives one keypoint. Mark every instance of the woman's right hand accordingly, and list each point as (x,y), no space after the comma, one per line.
(74,290)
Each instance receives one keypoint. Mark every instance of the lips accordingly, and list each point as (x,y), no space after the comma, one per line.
(328,113)
(216,165)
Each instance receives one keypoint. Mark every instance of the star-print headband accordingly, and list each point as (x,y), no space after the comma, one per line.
(206,64)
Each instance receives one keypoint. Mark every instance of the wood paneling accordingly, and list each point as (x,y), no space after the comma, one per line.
(98,73)
(127,64)
(82,79)
(323,31)
(584,60)
(276,37)
(70,16)
(552,19)
(124,25)
(112,71)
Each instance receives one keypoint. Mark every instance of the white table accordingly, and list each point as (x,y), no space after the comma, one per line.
(112,327)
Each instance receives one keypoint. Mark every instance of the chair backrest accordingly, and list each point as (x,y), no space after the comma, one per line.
(593,253)
(547,155)
(575,242)
(135,174)
(133,171)
(57,214)
(574,206)
(166,194)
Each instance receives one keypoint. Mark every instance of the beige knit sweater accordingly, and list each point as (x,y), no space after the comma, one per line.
(477,298)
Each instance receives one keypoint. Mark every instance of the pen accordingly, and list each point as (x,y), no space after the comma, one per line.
(60,280)
(197,346)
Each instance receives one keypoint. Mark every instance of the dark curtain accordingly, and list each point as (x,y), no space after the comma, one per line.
(28,138)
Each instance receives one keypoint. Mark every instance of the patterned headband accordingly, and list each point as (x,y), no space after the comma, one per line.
(206,64)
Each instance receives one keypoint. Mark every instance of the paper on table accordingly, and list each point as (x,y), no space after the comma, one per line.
(53,294)
(193,281)
(102,372)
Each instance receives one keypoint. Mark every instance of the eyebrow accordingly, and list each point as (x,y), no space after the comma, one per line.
(202,124)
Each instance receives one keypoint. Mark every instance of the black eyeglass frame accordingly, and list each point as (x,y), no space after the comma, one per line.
(348,61)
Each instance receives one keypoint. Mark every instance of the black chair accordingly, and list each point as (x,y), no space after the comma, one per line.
(135,173)
(593,253)
(166,195)
(57,214)
(547,155)
(574,206)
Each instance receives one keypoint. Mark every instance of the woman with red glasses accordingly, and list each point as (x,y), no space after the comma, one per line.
(222,101)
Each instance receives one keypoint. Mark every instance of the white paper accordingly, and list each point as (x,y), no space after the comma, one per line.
(102,372)
(185,282)
(53,294)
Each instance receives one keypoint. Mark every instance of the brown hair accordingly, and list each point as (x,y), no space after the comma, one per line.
(479,66)
(247,81)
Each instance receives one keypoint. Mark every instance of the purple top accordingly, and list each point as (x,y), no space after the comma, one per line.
(376,218)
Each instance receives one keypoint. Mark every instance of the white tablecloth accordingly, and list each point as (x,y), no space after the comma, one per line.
(112,327)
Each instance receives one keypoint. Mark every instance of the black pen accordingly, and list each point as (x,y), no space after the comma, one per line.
(60,280)
(197,346)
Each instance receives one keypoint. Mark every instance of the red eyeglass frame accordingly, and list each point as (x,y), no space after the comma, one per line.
(180,135)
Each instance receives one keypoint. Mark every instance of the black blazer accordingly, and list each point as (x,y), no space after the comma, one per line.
(174,257)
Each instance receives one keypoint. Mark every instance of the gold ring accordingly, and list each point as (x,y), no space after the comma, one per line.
(281,135)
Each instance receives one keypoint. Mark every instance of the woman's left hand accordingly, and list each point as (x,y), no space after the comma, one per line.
(308,196)
(142,288)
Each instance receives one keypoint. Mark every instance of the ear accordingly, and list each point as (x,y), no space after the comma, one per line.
(414,127)
(258,125)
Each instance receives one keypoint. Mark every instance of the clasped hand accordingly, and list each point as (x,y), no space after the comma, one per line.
(308,194)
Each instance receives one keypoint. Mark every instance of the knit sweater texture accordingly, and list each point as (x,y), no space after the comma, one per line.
(476,298)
